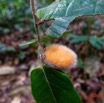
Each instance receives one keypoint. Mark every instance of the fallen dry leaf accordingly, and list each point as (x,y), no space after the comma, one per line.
(6,70)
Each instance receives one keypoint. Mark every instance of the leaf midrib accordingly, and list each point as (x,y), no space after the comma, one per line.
(49,85)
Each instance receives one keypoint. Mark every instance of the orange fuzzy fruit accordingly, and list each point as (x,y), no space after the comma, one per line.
(60,56)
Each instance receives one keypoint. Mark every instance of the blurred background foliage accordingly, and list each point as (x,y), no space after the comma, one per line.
(16,19)
(16,14)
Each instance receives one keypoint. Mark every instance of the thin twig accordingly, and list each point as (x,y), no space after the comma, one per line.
(36,19)
(32,4)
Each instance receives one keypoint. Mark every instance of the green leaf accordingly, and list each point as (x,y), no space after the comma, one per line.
(96,42)
(102,38)
(31,42)
(42,3)
(59,27)
(21,55)
(80,63)
(77,39)
(46,39)
(65,11)
(4,48)
(50,85)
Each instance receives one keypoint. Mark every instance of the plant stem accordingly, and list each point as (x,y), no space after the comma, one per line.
(36,20)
